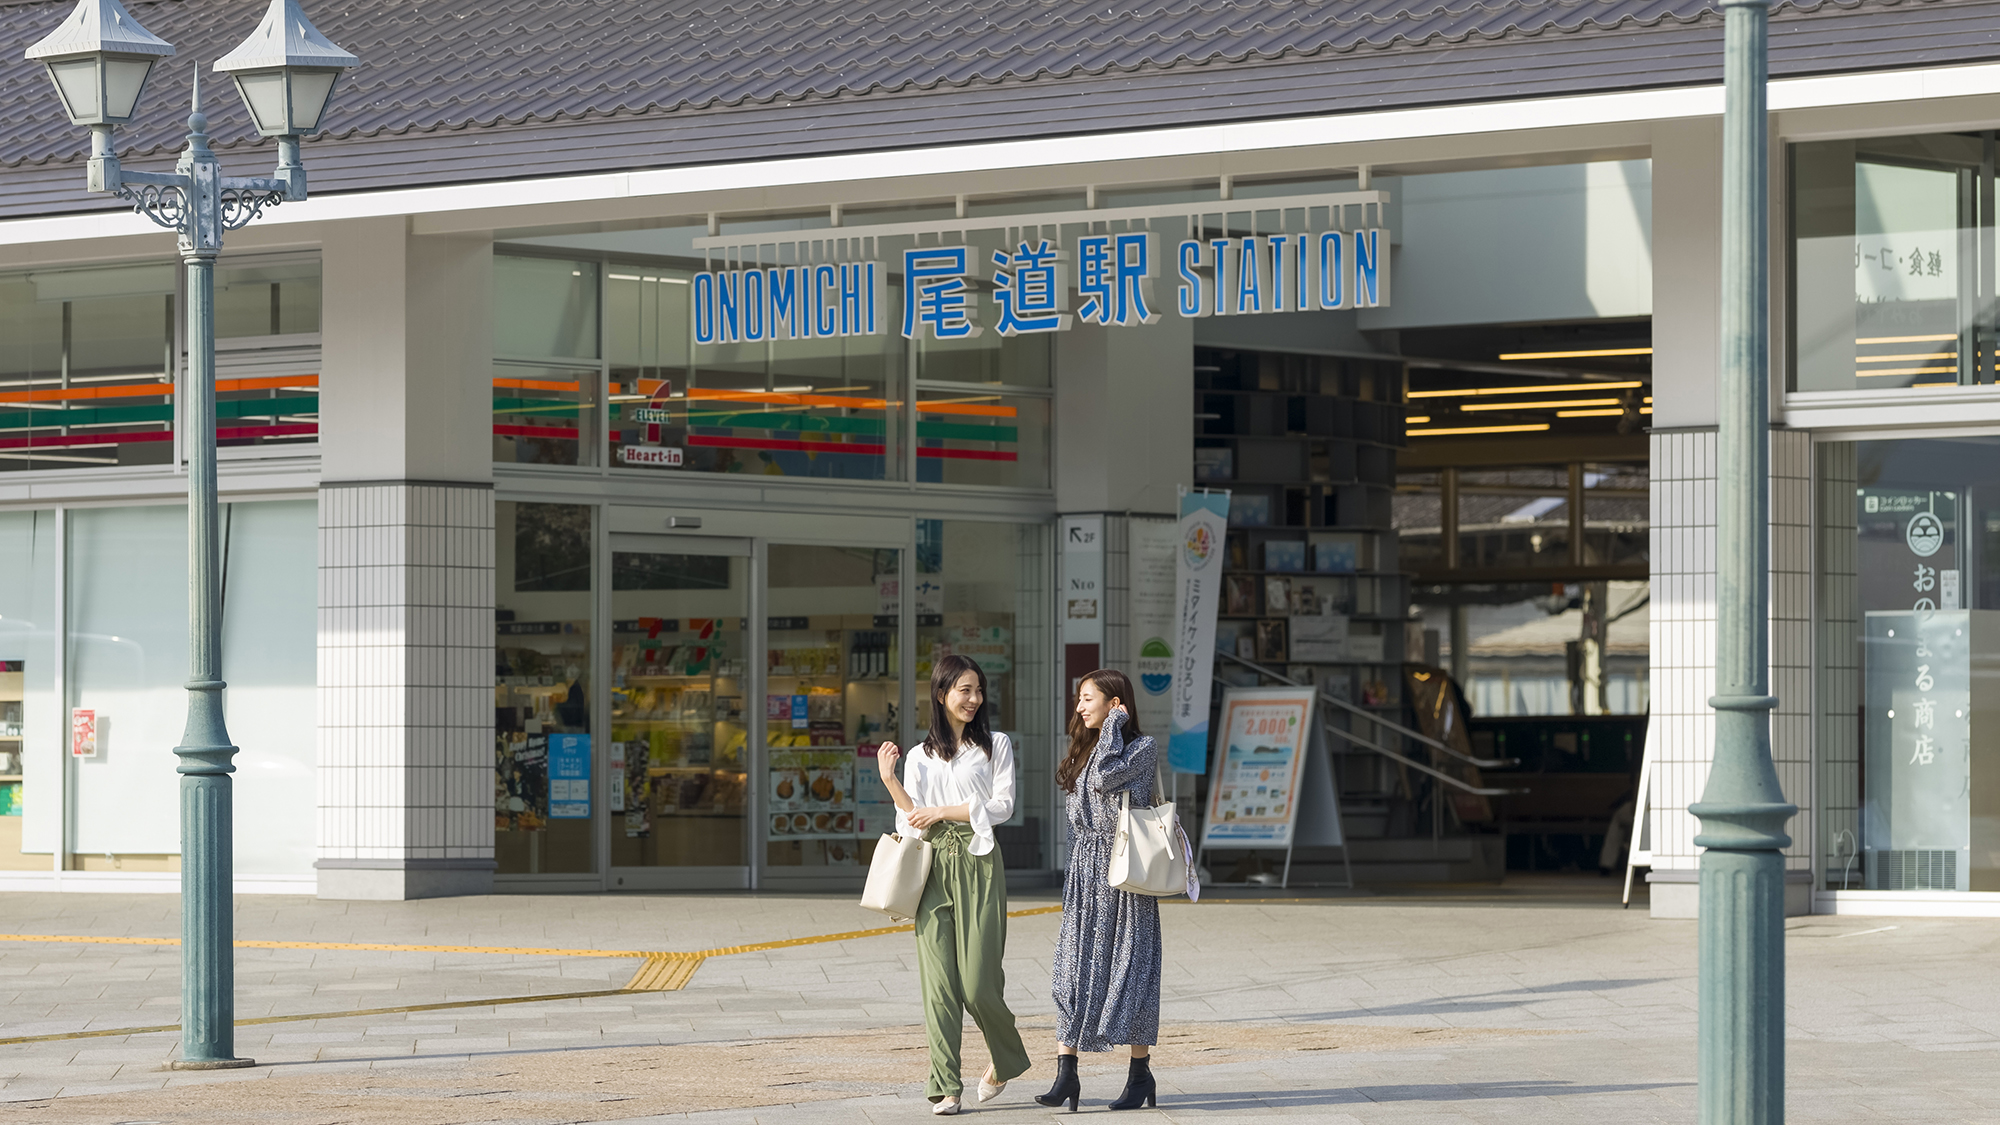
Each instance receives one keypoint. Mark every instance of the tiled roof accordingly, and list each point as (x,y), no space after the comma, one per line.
(455,91)
(430,65)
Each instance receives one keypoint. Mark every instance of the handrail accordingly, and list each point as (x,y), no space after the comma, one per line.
(1455,783)
(1448,751)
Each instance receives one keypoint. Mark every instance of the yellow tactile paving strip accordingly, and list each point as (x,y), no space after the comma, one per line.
(659,972)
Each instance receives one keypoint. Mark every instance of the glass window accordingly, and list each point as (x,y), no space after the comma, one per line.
(266,298)
(973,438)
(1890,285)
(544,308)
(831,692)
(799,408)
(128,653)
(982,590)
(31,716)
(86,367)
(679,742)
(543,763)
(1909,589)
(543,415)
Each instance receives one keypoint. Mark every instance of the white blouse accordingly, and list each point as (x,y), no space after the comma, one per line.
(983,783)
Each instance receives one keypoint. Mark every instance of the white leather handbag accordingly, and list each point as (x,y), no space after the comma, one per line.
(1149,857)
(896,876)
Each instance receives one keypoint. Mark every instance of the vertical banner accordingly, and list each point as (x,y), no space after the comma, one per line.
(1150,578)
(1198,591)
(1082,598)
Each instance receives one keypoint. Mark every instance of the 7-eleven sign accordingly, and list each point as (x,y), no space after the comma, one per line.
(655,416)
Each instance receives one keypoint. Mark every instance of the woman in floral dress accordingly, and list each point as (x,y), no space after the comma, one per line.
(1106,980)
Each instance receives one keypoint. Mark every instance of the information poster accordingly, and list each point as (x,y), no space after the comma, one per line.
(1150,582)
(1260,755)
(569,777)
(812,794)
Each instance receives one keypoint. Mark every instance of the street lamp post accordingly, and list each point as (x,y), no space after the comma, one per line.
(99,58)
(1743,811)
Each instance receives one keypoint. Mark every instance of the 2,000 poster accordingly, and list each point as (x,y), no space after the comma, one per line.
(1253,797)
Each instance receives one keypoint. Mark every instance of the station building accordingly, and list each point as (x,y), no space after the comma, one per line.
(649,393)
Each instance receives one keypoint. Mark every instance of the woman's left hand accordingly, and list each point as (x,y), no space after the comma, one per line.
(924,818)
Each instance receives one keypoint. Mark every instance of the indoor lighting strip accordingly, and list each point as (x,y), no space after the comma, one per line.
(1546,388)
(1590,413)
(1523,429)
(1588,354)
(1547,404)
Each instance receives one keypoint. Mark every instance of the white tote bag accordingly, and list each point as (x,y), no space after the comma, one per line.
(1149,856)
(896,876)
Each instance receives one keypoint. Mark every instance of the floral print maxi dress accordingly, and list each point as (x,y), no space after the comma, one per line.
(1106,980)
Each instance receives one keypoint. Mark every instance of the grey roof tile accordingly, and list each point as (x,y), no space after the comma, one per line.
(677,81)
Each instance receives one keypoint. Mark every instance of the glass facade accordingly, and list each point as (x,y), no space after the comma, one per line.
(583,344)
(678,767)
(1893,262)
(1909,586)
(832,687)
(89,356)
(31,717)
(544,579)
(982,590)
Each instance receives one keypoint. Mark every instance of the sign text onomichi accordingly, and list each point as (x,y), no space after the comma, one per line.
(1032,285)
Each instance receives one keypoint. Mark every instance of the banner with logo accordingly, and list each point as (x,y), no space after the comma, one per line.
(1150,578)
(1198,559)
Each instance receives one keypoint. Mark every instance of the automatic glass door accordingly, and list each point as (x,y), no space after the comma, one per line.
(678,760)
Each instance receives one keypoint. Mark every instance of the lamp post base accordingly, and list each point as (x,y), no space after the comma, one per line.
(210,1064)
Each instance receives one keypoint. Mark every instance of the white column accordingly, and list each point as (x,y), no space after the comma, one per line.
(1687,199)
(406,566)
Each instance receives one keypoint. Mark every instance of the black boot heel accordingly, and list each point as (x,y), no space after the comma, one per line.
(1140,1087)
(1067,1088)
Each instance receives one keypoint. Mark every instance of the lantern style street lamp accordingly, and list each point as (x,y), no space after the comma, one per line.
(98,58)
(1741,1039)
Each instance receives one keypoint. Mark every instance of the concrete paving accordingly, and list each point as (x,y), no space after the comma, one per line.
(1549,1006)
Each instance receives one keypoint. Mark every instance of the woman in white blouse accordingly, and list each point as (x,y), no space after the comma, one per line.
(957,786)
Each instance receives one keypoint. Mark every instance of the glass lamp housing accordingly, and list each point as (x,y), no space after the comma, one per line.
(285,71)
(102,88)
(286,101)
(99,57)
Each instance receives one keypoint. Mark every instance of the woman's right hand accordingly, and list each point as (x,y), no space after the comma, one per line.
(886,756)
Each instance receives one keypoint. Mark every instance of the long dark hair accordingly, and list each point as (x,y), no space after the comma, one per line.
(943,676)
(1112,684)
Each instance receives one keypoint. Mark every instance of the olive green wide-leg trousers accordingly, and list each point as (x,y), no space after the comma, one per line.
(961,937)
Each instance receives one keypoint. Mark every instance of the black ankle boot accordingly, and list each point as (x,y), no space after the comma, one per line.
(1067,1088)
(1140,1088)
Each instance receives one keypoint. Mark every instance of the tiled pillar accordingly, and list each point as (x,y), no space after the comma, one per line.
(405,690)
(1683,655)
(1683,652)
(405,563)
(1792,649)
(1838,735)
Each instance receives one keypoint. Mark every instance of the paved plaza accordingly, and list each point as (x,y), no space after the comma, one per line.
(1546,1004)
